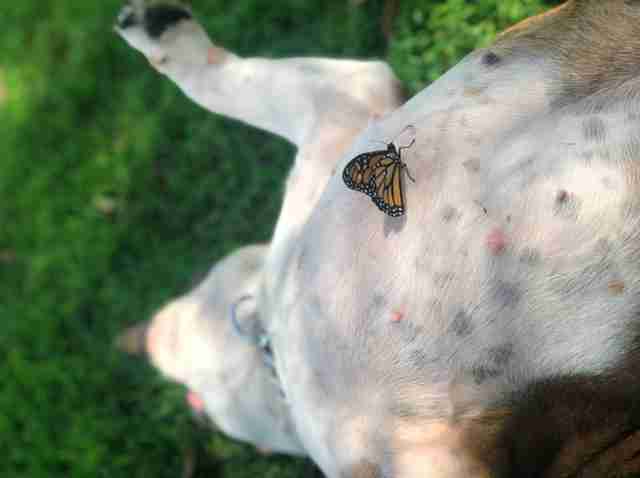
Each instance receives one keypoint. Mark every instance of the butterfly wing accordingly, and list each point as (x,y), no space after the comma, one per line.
(378,175)
(389,194)
(358,173)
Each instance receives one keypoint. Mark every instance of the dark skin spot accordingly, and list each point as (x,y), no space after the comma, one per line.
(490,59)
(567,206)
(562,196)
(472,165)
(462,325)
(449,213)
(159,18)
(508,294)
(501,356)
(493,367)
(482,373)
(377,305)
(420,359)
(379,300)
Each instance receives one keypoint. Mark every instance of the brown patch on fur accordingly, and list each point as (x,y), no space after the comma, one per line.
(592,45)
(562,427)
(464,445)
(614,457)
(574,426)
(620,460)
(481,433)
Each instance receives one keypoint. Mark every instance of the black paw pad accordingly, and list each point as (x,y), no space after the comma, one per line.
(126,18)
(159,18)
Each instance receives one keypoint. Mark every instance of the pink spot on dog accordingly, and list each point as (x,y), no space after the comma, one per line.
(497,242)
(195,402)
(215,55)
(397,317)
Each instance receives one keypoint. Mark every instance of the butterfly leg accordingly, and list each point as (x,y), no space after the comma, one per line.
(409,145)
(406,169)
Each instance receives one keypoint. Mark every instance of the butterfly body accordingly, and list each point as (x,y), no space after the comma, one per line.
(378,174)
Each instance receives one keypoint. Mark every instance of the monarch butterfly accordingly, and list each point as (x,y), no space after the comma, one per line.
(377,174)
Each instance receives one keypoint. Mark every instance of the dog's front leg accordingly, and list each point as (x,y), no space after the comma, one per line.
(287,97)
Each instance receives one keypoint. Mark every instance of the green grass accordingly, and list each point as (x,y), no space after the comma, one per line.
(116,191)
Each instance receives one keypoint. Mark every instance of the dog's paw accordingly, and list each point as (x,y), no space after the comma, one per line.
(155,19)
(166,34)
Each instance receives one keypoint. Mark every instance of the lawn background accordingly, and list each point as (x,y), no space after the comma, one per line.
(116,192)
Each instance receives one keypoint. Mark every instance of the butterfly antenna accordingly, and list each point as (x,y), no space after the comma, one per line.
(407,146)
(409,126)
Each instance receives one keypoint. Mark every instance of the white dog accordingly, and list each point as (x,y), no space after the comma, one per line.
(481,320)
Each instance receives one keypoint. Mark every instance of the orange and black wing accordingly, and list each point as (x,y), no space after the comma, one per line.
(378,175)
(358,174)
(389,194)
